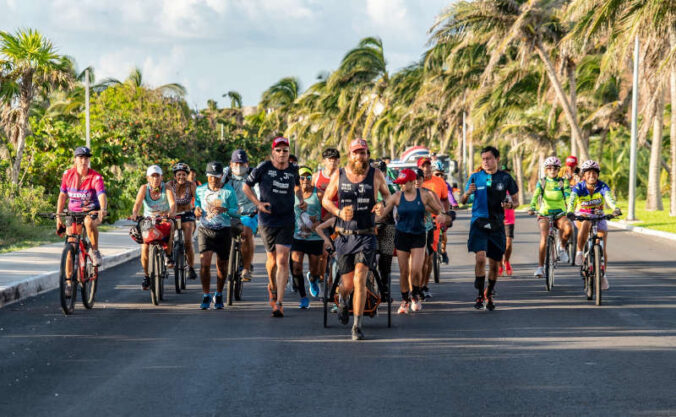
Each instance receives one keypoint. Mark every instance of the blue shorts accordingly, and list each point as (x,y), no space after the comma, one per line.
(493,242)
(250,222)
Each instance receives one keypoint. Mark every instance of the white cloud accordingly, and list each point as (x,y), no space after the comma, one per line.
(388,13)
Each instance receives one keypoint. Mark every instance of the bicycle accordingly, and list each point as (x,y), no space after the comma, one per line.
(179,254)
(76,255)
(571,247)
(592,268)
(235,267)
(157,269)
(551,252)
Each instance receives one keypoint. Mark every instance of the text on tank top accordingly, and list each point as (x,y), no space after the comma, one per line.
(361,196)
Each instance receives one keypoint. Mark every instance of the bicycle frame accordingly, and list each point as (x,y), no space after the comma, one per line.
(76,235)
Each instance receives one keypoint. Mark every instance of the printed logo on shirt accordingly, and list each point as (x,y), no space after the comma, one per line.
(499,186)
(272,173)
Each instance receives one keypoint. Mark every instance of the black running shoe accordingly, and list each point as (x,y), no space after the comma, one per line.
(146,283)
(357,334)
(489,303)
(479,304)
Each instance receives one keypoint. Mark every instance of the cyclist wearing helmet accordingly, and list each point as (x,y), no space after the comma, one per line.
(236,177)
(184,193)
(216,206)
(554,192)
(586,199)
(157,200)
(571,172)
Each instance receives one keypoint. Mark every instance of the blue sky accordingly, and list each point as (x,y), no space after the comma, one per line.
(213,46)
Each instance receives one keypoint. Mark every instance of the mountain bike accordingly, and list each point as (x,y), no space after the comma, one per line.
(592,268)
(157,269)
(235,267)
(77,267)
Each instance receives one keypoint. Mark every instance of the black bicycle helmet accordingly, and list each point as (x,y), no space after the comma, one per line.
(181,167)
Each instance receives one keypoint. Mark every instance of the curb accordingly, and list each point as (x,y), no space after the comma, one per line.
(643,230)
(48,281)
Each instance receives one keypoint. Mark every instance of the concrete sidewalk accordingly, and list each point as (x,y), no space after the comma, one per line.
(29,272)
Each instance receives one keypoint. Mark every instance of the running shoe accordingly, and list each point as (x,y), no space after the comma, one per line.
(191,273)
(539,273)
(490,306)
(218,301)
(304,303)
(334,309)
(426,294)
(357,334)
(278,310)
(500,268)
(605,285)
(479,304)
(563,256)
(146,283)
(206,302)
(444,258)
(96,257)
(314,285)
(272,297)
(416,305)
(404,307)
(246,275)
(169,262)
(579,257)
(508,269)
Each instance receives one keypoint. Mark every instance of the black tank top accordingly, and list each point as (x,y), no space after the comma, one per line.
(361,196)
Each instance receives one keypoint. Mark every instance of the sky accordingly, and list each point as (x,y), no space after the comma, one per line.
(215,46)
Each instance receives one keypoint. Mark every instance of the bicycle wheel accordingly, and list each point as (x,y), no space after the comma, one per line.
(163,271)
(179,267)
(597,273)
(436,264)
(572,246)
(588,276)
(154,275)
(550,259)
(68,301)
(238,275)
(89,283)
(325,298)
(231,274)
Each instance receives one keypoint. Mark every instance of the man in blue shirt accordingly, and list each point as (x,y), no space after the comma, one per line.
(488,189)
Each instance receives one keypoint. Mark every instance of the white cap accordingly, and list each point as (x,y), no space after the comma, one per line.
(153,169)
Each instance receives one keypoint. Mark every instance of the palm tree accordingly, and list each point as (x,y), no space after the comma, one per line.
(235,99)
(29,64)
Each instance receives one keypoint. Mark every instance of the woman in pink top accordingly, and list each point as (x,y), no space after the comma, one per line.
(509,233)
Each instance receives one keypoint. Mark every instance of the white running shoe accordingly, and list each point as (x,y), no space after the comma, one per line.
(416,305)
(563,256)
(578,257)
(403,308)
(604,283)
(539,273)
(96,257)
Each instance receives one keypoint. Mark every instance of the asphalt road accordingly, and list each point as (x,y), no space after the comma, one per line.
(538,354)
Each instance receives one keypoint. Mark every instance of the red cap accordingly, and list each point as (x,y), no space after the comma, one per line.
(571,161)
(358,144)
(406,175)
(423,160)
(280,141)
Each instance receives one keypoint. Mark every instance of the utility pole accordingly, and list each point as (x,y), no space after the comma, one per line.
(465,174)
(631,215)
(89,144)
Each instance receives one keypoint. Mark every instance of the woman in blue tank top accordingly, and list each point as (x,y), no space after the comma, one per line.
(410,236)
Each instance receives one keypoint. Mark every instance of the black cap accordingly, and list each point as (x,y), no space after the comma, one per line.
(214,168)
(82,151)
(239,157)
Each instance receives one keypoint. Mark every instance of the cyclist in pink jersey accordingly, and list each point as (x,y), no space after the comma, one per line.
(84,189)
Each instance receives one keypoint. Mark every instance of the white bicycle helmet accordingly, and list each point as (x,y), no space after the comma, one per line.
(552,161)
(589,165)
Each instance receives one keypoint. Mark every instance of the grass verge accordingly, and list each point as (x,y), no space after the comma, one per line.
(657,220)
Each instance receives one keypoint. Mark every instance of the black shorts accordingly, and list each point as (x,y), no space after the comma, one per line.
(311,247)
(509,230)
(406,241)
(493,242)
(214,240)
(430,242)
(188,217)
(346,263)
(276,236)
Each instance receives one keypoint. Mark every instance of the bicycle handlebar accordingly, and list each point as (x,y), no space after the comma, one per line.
(595,218)
(73,214)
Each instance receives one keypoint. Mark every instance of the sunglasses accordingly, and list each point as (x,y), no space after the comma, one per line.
(306,177)
(439,174)
(281,150)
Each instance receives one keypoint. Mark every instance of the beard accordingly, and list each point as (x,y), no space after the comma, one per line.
(358,167)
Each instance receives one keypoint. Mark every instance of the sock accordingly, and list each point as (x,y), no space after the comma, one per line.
(416,291)
(405,296)
(357,321)
(491,285)
(300,285)
(315,278)
(479,284)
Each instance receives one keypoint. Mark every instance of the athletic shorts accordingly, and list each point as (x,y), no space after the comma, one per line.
(215,241)
(509,230)
(310,247)
(406,241)
(493,242)
(188,217)
(277,236)
(429,242)
(354,249)
(346,263)
(250,222)
(603,226)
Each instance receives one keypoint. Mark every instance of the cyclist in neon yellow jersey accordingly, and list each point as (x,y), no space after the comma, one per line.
(554,191)
(586,199)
